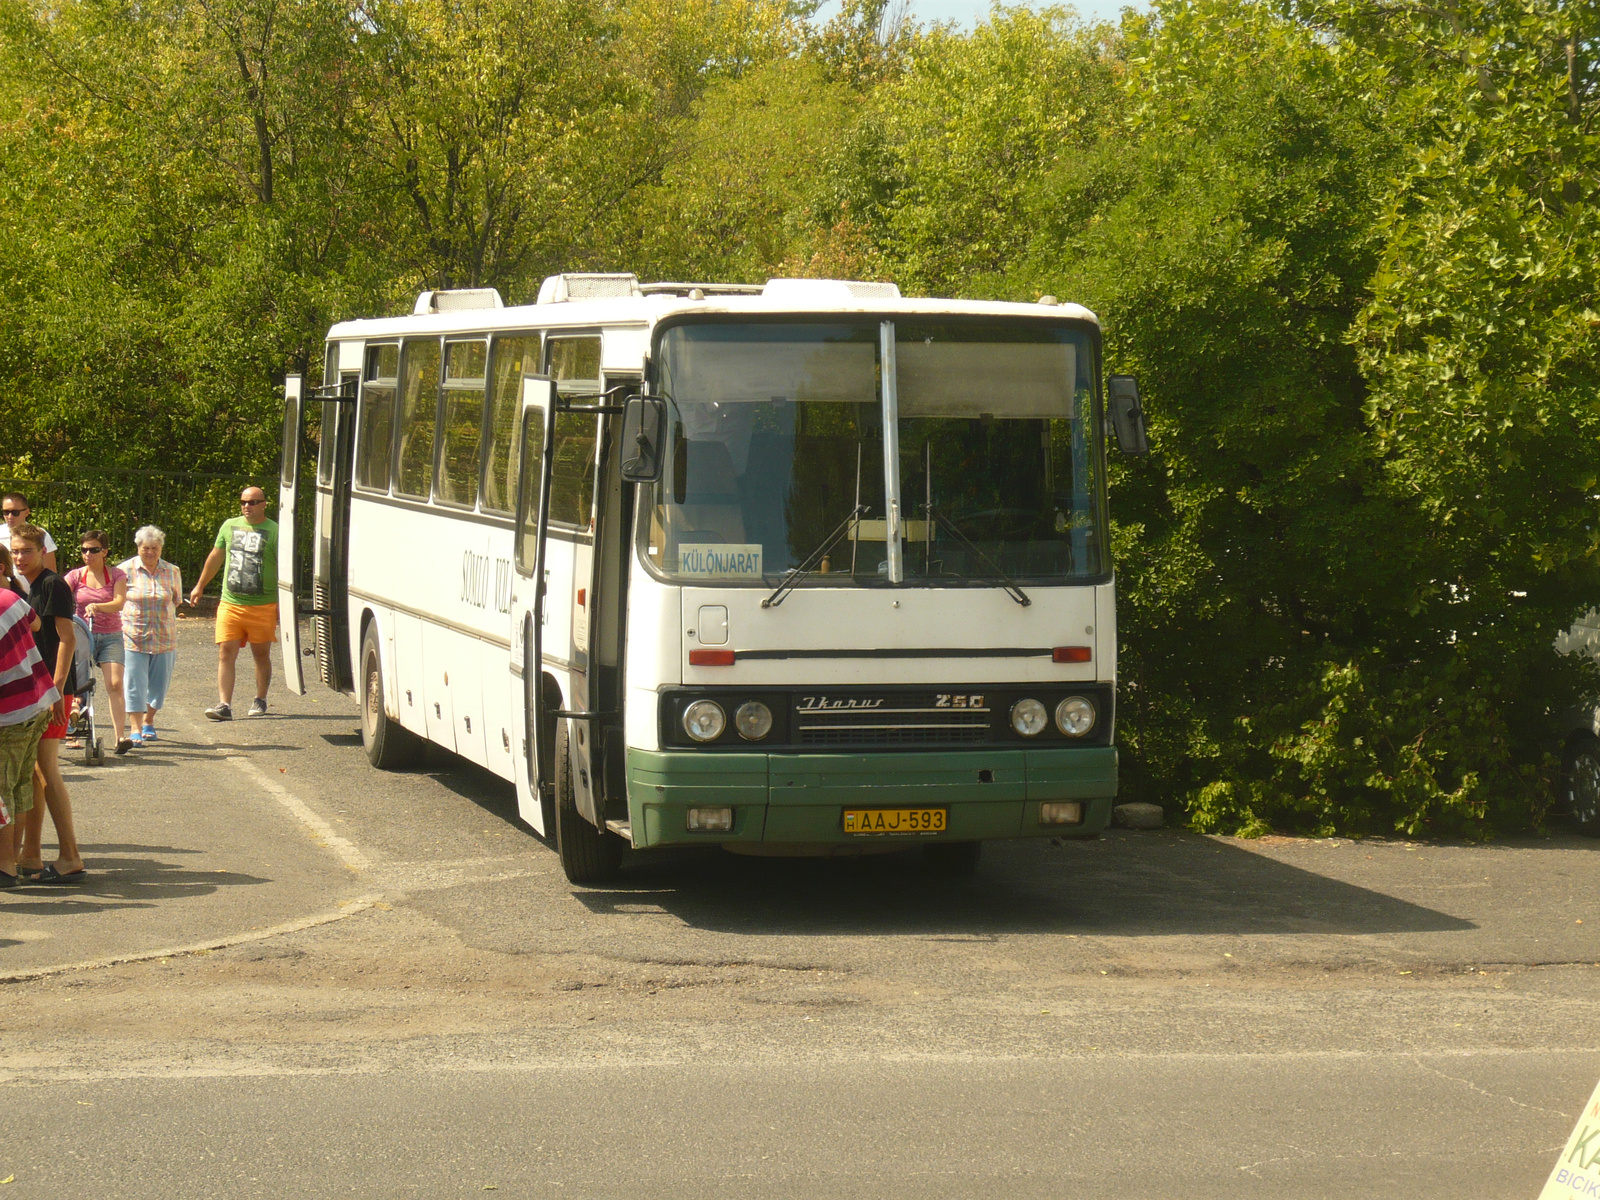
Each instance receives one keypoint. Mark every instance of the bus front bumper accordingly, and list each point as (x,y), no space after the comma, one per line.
(800,799)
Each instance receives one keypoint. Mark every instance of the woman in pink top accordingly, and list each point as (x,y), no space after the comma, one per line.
(100,591)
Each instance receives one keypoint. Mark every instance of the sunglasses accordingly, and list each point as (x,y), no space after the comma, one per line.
(250,503)
(14,512)
(92,549)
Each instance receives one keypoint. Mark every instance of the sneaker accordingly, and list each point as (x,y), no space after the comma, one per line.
(258,707)
(220,712)
(147,734)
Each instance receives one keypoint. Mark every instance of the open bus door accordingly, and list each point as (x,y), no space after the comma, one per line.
(535,782)
(288,569)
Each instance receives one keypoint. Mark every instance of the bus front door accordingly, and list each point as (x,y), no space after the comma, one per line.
(535,782)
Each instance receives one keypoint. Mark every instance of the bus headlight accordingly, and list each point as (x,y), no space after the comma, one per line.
(704,720)
(753,721)
(1029,718)
(1075,716)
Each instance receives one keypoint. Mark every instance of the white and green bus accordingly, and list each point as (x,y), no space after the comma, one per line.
(808,568)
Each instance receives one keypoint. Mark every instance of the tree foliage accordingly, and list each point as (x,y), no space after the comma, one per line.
(1349,248)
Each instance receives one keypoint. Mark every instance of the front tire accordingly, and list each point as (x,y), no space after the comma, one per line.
(388,744)
(1580,783)
(588,855)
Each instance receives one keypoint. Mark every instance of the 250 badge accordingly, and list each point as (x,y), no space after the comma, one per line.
(952,700)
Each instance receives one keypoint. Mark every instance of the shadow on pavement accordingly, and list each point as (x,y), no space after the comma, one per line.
(1124,886)
(125,882)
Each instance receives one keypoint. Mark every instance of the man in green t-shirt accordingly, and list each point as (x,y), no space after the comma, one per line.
(248,613)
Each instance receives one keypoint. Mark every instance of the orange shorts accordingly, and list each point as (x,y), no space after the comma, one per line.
(253,623)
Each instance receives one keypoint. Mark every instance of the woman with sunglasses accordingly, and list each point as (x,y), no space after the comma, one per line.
(100,591)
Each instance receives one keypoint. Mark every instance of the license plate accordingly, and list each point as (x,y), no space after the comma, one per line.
(894,820)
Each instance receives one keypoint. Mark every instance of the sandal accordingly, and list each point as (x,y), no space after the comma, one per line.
(51,875)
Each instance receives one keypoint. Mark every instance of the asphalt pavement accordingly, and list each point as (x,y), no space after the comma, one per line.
(289,970)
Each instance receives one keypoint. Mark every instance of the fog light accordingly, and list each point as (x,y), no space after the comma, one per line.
(704,720)
(1068,813)
(753,721)
(1029,718)
(711,820)
(1075,716)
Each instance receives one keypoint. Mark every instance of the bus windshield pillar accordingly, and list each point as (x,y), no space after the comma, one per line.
(891,450)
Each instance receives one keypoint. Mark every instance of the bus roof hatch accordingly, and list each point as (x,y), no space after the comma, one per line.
(456,300)
(558,289)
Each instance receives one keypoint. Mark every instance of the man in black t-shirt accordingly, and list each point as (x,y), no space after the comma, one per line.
(56,637)
(51,598)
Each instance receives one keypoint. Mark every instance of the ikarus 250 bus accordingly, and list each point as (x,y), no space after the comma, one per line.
(802,568)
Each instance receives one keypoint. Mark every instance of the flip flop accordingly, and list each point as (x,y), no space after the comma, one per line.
(51,875)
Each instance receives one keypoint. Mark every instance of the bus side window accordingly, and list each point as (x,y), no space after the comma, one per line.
(572,472)
(375,436)
(462,428)
(513,357)
(575,367)
(532,452)
(419,413)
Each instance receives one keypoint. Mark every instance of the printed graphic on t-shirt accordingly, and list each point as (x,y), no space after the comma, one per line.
(246,553)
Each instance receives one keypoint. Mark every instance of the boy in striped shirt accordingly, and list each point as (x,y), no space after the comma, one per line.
(28,702)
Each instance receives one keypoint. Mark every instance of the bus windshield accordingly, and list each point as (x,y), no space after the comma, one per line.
(776,438)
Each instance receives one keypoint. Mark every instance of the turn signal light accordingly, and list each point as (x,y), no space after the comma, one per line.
(1063,654)
(711,658)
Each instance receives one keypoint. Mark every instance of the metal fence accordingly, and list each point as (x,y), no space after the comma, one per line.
(187,505)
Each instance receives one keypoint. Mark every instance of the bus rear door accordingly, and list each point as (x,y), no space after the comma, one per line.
(288,491)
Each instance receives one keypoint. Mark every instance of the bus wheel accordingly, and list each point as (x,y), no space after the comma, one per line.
(588,855)
(1580,783)
(953,859)
(387,743)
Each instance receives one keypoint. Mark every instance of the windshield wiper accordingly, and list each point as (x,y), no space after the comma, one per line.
(1011,586)
(812,559)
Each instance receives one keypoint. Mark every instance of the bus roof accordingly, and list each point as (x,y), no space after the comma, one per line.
(652,303)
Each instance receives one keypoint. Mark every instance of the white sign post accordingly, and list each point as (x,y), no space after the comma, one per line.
(1577,1172)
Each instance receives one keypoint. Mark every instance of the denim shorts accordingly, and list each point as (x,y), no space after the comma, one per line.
(107,647)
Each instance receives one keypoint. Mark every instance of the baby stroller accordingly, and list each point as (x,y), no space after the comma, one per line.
(84,679)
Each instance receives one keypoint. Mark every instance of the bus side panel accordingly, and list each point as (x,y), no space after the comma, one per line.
(408,672)
(1105,631)
(466,688)
(655,638)
(441,654)
(499,689)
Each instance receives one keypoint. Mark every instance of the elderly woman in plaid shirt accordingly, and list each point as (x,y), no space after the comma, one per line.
(150,628)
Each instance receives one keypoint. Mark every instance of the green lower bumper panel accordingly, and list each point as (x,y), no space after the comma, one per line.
(794,799)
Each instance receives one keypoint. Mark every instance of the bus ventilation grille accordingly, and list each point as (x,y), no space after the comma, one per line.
(946,735)
(322,630)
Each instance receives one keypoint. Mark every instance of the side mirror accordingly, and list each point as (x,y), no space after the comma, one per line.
(1127,417)
(644,425)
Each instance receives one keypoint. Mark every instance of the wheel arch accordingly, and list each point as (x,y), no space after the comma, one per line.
(370,619)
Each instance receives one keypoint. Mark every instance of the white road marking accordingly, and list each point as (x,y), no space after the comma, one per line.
(349,853)
(348,908)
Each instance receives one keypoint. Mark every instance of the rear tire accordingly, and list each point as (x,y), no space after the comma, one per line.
(1580,783)
(954,860)
(588,855)
(388,744)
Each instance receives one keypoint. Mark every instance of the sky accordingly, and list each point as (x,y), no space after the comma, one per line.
(966,13)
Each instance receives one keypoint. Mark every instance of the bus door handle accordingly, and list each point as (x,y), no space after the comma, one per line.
(582,716)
